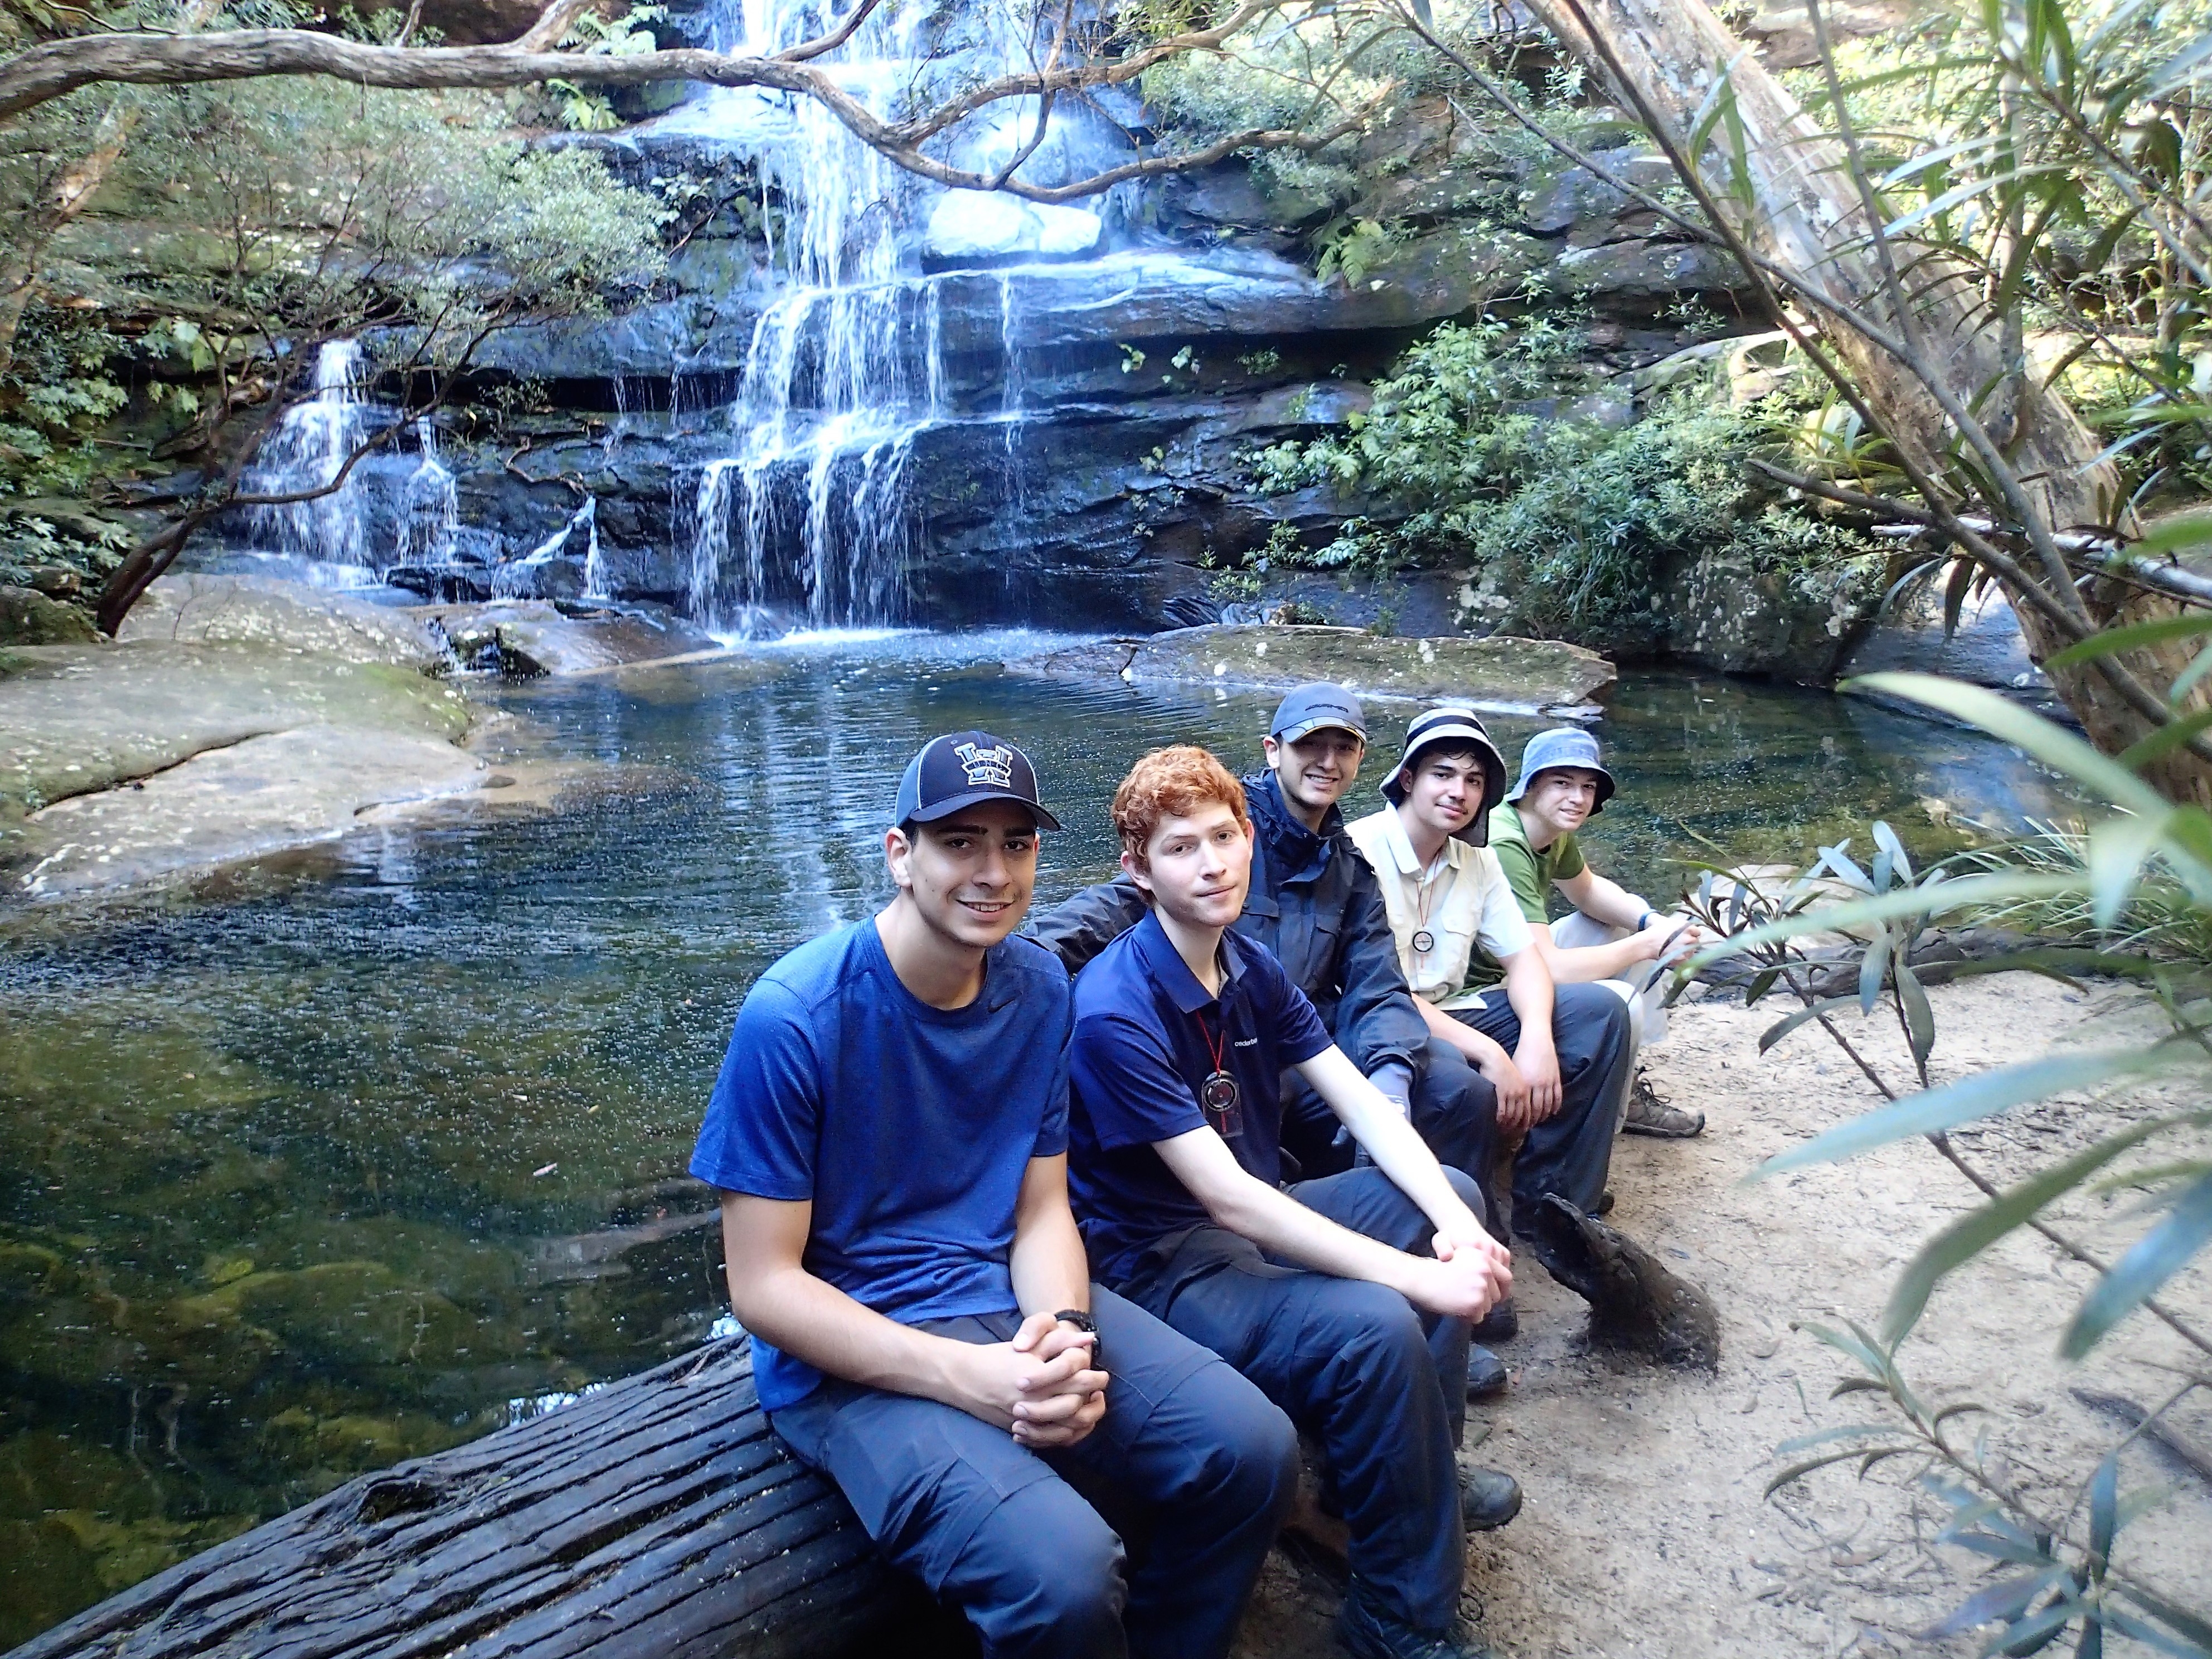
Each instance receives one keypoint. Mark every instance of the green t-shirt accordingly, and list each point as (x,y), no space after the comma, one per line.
(1531,872)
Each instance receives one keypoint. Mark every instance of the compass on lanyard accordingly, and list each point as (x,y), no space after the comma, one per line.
(1423,941)
(1219,1097)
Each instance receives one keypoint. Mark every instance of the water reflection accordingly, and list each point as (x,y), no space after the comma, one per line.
(344,1169)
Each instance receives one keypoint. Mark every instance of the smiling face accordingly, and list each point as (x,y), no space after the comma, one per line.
(1313,771)
(1196,866)
(1446,791)
(968,877)
(1560,799)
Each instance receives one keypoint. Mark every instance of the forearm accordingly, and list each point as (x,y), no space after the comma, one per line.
(1400,1153)
(1586,963)
(1280,1224)
(813,1320)
(1529,989)
(1396,1147)
(1608,902)
(1478,1049)
(1049,1268)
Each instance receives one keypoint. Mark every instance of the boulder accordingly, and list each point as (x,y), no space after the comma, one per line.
(527,639)
(223,806)
(29,617)
(1501,673)
(229,610)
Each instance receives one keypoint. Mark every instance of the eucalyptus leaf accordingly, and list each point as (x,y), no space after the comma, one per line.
(1919,1017)
(2150,1262)
(1971,1097)
(1976,1231)
(1783,1027)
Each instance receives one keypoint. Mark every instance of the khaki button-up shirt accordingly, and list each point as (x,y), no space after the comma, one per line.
(1462,900)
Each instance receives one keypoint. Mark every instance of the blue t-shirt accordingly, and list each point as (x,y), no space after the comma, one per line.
(1147,1036)
(909,1128)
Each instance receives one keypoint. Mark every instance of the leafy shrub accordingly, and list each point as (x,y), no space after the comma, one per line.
(1467,460)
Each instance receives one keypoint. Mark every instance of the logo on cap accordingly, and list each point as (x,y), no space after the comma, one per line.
(991,769)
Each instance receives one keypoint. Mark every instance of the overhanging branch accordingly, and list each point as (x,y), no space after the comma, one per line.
(57,68)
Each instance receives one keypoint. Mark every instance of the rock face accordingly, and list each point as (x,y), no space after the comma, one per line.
(1508,675)
(1079,458)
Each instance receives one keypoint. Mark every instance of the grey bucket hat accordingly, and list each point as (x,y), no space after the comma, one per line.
(1563,745)
(1457,725)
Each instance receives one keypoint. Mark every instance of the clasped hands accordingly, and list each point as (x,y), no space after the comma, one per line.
(1040,1385)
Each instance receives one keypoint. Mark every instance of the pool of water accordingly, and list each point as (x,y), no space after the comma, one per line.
(357,1158)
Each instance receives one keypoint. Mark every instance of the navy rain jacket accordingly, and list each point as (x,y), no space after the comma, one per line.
(1314,902)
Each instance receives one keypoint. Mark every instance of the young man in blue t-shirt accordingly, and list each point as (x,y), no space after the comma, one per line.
(888,1132)
(1346,1300)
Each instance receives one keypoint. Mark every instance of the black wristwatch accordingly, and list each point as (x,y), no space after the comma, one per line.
(1084,1321)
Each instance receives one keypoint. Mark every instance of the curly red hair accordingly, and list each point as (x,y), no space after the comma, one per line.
(1172,783)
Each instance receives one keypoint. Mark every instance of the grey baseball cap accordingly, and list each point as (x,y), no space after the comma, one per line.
(1461,726)
(1563,745)
(1318,707)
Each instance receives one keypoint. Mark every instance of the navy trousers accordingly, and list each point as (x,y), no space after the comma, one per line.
(1569,1152)
(997,1530)
(1381,1389)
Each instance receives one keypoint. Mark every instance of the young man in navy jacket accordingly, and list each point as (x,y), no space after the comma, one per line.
(889,1133)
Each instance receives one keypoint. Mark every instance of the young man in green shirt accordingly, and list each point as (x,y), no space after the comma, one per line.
(1612,938)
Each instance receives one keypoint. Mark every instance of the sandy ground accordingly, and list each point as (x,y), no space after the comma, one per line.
(1645,1533)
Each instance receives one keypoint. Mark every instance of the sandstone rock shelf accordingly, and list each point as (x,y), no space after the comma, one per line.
(1501,673)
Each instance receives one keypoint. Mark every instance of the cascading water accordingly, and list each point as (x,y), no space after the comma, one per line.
(845,370)
(309,447)
(521,578)
(429,512)
(842,373)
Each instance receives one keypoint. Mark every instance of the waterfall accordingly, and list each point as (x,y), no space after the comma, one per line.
(519,577)
(843,372)
(595,569)
(431,508)
(311,444)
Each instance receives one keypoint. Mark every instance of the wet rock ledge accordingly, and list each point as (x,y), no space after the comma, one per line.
(239,716)
(1511,675)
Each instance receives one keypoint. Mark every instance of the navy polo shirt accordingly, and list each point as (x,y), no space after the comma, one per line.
(1145,1032)
(909,1128)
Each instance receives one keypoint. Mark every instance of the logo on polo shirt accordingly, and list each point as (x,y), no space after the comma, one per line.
(986,769)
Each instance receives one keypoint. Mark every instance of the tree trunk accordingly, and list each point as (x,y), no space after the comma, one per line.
(1808,219)
(658,1519)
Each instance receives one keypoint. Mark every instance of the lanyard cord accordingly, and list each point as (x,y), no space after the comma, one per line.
(1421,893)
(1213,1045)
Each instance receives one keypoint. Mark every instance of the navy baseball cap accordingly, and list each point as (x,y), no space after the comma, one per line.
(965,768)
(1563,745)
(1316,707)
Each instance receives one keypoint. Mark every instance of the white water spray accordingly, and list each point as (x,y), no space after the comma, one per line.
(310,447)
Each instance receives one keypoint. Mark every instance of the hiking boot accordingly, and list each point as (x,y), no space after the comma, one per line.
(1501,1324)
(1365,1634)
(1487,1499)
(1648,1114)
(1487,1376)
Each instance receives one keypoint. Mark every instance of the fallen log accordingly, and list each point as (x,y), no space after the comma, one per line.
(658,1518)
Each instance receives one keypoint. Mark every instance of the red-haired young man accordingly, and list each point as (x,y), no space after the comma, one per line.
(1346,1300)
